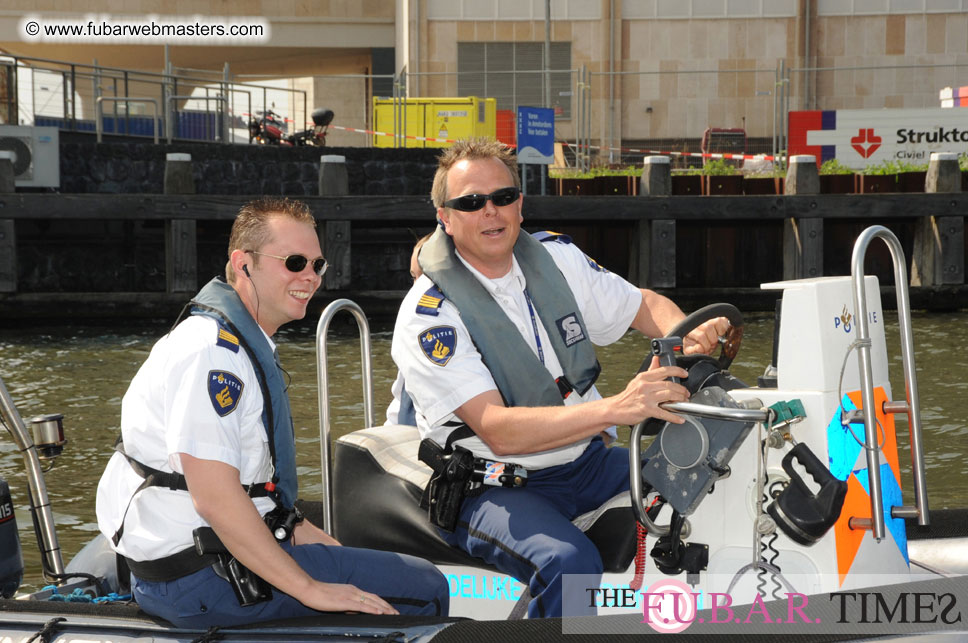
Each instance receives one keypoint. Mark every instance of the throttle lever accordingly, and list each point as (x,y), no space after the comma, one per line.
(665,348)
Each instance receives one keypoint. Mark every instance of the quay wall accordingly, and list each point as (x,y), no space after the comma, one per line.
(111,243)
(126,166)
(93,255)
(88,167)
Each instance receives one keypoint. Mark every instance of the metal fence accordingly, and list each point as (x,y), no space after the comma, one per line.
(188,104)
(602,118)
(614,118)
(668,111)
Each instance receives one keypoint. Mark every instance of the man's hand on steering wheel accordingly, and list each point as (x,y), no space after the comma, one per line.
(705,338)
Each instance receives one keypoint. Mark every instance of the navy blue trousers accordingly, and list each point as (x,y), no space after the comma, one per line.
(527,533)
(202,599)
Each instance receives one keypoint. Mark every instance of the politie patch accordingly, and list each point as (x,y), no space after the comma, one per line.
(570,329)
(225,390)
(594,265)
(438,343)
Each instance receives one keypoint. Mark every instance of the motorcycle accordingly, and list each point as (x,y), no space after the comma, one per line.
(270,129)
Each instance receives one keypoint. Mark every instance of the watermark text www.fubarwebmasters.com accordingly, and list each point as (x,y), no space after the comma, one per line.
(121,29)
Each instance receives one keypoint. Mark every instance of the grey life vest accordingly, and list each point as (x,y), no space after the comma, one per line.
(520,377)
(220,301)
(237,328)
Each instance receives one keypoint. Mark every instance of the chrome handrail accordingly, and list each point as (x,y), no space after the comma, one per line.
(729,413)
(39,500)
(322,383)
(686,408)
(912,407)
(635,483)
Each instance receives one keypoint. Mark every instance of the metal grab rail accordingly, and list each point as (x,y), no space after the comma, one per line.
(635,483)
(39,500)
(912,407)
(686,408)
(729,413)
(99,111)
(322,383)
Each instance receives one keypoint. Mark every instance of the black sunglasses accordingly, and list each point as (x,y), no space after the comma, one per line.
(474,202)
(297,263)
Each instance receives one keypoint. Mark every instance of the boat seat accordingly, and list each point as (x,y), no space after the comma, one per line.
(377,485)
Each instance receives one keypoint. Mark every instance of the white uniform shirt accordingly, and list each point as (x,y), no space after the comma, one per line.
(393,409)
(607,302)
(170,409)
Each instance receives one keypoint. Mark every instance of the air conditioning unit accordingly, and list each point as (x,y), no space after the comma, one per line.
(36,151)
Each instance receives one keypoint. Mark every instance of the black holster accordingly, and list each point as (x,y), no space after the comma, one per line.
(249,588)
(449,484)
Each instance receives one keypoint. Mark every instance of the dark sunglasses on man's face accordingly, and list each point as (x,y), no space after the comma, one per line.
(474,202)
(297,263)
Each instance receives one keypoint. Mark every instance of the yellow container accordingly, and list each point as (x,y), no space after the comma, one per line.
(441,119)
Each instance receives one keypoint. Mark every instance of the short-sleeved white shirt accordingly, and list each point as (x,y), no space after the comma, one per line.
(607,302)
(393,409)
(170,409)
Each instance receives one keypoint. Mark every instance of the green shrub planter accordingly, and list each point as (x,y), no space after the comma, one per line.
(837,178)
(838,183)
(617,185)
(763,185)
(688,184)
(912,181)
(876,183)
(578,187)
(723,184)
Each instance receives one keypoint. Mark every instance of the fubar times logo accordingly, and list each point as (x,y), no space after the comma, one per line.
(670,606)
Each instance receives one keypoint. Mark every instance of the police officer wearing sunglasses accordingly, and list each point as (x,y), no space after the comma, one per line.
(198,501)
(495,346)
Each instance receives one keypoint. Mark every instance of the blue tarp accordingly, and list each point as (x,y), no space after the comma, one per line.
(199,126)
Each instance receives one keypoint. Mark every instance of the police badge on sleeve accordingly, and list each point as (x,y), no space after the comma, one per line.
(224,390)
(438,343)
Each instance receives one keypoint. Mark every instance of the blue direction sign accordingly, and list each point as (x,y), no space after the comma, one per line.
(536,135)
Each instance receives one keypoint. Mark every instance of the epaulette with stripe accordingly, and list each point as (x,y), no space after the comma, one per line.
(227,340)
(548,235)
(429,302)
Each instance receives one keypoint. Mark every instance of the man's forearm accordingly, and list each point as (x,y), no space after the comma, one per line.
(218,497)
(519,430)
(657,315)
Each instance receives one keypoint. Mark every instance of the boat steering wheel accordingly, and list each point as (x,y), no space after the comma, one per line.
(731,342)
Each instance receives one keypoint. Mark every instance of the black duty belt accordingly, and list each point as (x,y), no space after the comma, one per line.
(161,570)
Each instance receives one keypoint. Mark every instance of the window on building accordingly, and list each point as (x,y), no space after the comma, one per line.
(382,61)
(513,74)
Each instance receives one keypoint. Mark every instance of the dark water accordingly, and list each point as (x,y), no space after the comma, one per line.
(83,372)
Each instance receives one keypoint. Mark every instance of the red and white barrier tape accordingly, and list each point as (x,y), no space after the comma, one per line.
(762,157)
(724,155)
(412,138)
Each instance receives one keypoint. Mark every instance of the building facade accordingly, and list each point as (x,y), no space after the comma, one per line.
(622,72)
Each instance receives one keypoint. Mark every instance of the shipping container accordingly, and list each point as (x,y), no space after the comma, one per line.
(443,120)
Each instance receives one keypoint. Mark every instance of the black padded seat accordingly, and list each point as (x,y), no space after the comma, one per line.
(377,484)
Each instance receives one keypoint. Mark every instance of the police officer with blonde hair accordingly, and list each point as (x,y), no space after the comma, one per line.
(494,342)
